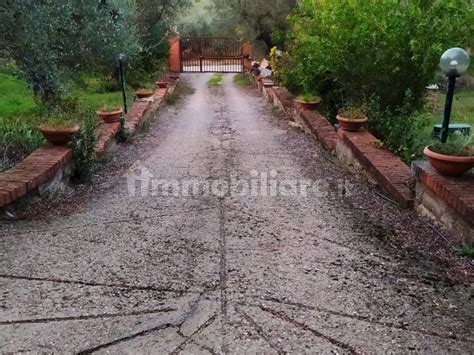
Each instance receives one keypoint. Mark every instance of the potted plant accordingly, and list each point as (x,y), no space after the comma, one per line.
(58,129)
(162,84)
(144,93)
(352,117)
(308,101)
(453,158)
(109,114)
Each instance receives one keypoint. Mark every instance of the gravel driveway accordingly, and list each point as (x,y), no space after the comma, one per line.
(225,230)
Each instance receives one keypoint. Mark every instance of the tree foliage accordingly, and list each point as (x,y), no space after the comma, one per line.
(155,22)
(383,51)
(260,20)
(199,20)
(48,39)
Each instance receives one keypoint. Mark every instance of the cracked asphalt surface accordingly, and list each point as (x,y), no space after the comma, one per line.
(230,273)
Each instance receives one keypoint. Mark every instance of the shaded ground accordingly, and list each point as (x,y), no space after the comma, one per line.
(111,271)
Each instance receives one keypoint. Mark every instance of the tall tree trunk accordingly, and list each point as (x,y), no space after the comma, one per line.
(267,39)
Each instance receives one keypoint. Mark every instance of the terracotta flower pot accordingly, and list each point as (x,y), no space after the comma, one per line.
(351,124)
(449,165)
(110,116)
(143,94)
(58,136)
(162,84)
(308,105)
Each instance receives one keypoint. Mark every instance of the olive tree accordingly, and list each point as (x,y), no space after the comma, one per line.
(155,21)
(260,20)
(49,38)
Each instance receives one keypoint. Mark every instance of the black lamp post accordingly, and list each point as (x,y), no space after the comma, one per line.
(454,62)
(122,81)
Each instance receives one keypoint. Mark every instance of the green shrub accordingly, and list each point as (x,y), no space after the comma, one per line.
(400,128)
(124,135)
(17,140)
(83,144)
(8,67)
(364,47)
(374,50)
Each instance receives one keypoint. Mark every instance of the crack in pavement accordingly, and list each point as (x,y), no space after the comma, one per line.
(188,339)
(204,347)
(224,133)
(224,129)
(98,284)
(366,319)
(260,331)
(87,317)
(146,331)
(126,338)
(223,274)
(351,349)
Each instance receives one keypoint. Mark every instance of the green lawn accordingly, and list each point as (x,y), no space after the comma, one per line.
(16,101)
(462,112)
(19,112)
(93,94)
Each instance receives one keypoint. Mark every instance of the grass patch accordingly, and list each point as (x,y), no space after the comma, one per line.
(93,93)
(172,98)
(215,80)
(20,113)
(18,121)
(242,80)
(181,91)
(462,112)
(466,251)
(16,97)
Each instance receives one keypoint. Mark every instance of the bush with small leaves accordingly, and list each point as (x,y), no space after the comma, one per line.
(83,145)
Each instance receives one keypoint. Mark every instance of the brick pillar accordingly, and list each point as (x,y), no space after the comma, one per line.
(247,50)
(174,60)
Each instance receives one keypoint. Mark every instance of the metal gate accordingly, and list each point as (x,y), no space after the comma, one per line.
(203,55)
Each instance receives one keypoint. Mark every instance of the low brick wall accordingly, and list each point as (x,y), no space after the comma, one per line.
(355,149)
(37,169)
(49,166)
(358,149)
(447,201)
(283,99)
(319,126)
